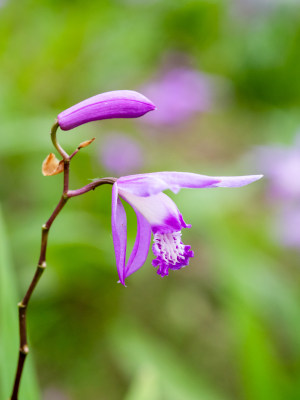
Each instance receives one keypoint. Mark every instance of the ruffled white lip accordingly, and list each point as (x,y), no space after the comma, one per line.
(170,251)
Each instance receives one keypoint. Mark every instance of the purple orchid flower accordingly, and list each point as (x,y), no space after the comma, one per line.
(115,104)
(156,212)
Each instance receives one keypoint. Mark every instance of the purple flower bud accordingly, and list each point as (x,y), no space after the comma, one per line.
(116,104)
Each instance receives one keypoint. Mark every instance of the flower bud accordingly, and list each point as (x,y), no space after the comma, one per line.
(85,143)
(116,104)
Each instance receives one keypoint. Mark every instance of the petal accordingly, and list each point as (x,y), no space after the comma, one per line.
(141,246)
(236,181)
(119,232)
(155,182)
(115,104)
(159,210)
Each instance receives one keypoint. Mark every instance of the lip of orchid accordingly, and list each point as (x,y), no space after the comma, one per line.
(157,213)
(114,104)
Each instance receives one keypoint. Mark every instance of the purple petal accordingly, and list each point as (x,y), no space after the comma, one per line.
(141,246)
(119,232)
(236,181)
(155,182)
(159,210)
(116,104)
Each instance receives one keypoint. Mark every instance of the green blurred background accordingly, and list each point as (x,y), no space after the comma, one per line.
(227,326)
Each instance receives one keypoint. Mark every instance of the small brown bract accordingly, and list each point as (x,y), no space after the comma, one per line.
(52,166)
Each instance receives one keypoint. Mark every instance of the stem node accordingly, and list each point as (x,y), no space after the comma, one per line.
(24,350)
(43,265)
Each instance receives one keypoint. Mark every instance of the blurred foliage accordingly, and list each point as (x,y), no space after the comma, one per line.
(227,326)
(9,328)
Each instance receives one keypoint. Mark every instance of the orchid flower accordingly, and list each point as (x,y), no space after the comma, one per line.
(157,213)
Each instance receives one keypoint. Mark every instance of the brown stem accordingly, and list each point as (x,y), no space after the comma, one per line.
(66,176)
(91,186)
(24,349)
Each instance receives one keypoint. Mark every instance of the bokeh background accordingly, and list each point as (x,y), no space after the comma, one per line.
(225,77)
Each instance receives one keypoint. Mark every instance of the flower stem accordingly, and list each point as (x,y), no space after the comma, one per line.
(24,348)
(91,186)
(58,147)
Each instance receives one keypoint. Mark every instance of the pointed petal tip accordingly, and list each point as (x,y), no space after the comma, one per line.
(122,283)
(236,181)
(253,178)
(149,106)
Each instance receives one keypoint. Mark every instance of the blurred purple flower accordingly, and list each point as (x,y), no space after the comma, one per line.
(156,212)
(281,165)
(250,8)
(120,154)
(287,225)
(116,104)
(178,94)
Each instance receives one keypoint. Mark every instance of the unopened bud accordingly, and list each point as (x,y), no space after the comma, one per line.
(116,104)
(52,166)
(86,143)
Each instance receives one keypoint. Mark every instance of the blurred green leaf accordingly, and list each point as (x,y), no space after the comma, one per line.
(9,329)
(177,380)
(262,305)
(145,385)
